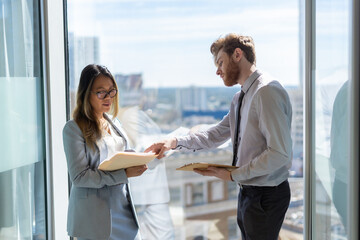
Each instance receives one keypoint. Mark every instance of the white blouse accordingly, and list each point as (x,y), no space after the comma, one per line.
(113,141)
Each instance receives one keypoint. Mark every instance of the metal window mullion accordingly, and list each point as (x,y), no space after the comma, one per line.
(309,116)
(48,164)
(353,198)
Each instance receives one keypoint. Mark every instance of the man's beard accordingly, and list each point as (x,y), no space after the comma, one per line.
(232,74)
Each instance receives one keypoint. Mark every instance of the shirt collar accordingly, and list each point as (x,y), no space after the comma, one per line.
(250,80)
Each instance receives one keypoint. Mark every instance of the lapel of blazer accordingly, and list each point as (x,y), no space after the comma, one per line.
(123,135)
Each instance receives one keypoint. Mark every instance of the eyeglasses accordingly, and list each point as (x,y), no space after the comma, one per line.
(103,94)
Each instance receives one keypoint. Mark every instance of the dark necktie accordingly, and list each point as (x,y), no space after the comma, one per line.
(237,126)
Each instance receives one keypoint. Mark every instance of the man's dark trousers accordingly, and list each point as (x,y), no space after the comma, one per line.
(261,211)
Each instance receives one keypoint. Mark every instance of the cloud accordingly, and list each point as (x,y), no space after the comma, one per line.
(167,28)
(169,42)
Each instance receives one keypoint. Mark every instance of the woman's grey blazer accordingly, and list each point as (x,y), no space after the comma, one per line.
(89,211)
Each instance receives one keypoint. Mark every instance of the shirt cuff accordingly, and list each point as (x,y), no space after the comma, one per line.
(175,144)
(231,177)
(180,143)
(236,175)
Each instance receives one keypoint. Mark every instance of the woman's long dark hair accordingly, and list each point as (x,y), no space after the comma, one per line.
(84,114)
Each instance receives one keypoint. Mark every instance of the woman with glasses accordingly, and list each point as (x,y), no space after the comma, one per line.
(100,205)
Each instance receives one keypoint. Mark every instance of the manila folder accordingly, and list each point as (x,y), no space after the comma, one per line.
(203,166)
(126,159)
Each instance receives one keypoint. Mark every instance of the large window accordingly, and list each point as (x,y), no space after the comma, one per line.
(22,144)
(158,52)
(331,117)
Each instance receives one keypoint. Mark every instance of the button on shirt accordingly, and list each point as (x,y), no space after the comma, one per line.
(265,145)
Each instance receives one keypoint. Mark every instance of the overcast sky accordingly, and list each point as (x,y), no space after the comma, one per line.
(168,41)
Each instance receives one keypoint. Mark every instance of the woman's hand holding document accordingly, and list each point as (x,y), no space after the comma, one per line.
(122,160)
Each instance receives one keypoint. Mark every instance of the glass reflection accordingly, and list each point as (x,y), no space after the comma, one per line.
(331,119)
(339,156)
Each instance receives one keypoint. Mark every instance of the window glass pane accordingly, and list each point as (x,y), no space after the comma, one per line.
(331,119)
(158,52)
(22,186)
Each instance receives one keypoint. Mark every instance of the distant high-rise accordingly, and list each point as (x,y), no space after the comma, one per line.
(297,128)
(191,98)
(82,51)
(130,89)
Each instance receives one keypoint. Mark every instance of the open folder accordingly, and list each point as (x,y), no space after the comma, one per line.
(203,166)
(126,159)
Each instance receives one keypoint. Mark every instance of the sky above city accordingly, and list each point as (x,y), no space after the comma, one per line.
(168,41)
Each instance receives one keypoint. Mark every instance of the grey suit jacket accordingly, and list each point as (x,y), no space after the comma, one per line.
(89,211)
